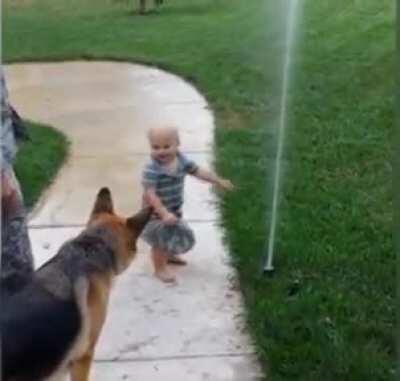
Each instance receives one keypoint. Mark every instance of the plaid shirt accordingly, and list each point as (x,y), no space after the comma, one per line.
(168,186)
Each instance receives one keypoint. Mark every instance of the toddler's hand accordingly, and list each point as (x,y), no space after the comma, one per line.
(225,184)
(7,190)
(170,219)
(10,197)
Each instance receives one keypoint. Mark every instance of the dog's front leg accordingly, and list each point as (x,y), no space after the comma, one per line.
(80,368)
(95,314)
(59,376)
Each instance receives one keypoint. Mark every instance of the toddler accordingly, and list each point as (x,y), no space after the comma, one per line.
(163,181)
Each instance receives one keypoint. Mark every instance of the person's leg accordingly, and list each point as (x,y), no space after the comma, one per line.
(160,260)
(186,243)
(142,6)
(17,261)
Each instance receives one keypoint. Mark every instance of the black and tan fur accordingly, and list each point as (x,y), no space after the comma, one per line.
(52,326)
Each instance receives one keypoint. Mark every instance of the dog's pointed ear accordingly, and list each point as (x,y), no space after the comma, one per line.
(139,220)
(103,203)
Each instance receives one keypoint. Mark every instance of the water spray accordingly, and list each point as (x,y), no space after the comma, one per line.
(290,36)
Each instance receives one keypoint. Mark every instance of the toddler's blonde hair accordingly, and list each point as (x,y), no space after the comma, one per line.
(166,130)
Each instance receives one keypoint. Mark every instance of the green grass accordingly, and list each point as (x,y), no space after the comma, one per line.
(328,312)
(38,160)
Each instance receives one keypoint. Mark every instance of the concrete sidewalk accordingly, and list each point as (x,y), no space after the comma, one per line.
(190,331)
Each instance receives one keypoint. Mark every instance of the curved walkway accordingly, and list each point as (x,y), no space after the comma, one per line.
(192,331)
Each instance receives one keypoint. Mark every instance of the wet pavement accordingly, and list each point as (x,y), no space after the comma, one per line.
(193,330)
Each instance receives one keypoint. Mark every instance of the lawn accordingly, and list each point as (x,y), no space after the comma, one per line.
(38,160)
(328,312)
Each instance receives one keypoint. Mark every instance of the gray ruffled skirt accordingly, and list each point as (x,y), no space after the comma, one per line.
(174,239)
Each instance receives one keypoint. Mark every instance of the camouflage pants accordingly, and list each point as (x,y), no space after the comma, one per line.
(16,254)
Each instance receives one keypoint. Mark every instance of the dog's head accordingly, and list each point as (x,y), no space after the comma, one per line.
(123,232)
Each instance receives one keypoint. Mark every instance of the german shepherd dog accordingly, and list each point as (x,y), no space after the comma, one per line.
(50,327)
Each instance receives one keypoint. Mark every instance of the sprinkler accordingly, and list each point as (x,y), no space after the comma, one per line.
(269,268)
(290,37)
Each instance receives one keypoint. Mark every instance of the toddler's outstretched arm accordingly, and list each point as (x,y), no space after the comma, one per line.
(212,178)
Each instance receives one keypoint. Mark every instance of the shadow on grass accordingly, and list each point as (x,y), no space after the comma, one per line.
(165,9)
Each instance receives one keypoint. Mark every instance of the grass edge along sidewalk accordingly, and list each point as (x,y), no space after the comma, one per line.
(39,159)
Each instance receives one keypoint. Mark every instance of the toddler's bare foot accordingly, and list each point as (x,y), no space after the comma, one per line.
(165,276)
(175,260)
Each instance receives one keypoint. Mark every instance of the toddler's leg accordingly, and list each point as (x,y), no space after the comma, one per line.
(160,260)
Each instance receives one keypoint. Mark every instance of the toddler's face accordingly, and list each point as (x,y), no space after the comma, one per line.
(164,145)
